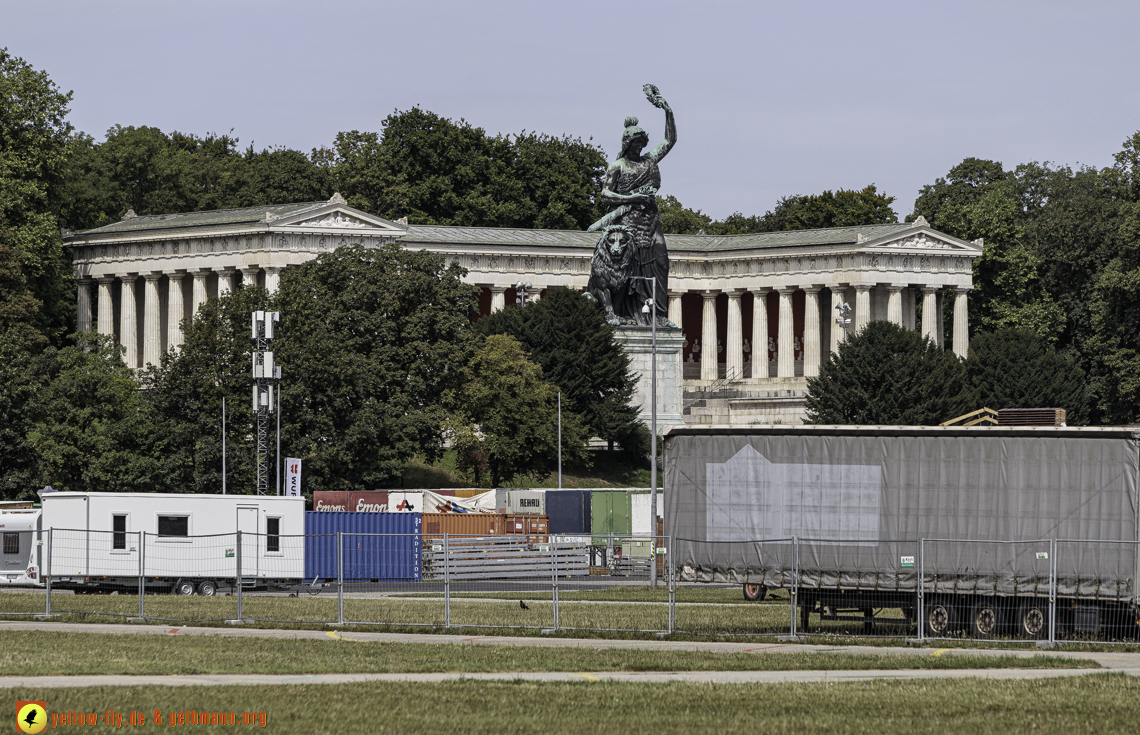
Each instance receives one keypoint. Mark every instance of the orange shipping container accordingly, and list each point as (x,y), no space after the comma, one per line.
(465,524)
(535,528)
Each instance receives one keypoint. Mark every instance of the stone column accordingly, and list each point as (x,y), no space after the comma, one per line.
(498,298)
(675,307)
(225,281)
(128,326)
(811,331)
(106,323)
(152,320)
(786,357)
(273,279)
(862,306)
(833,313)
(894,304)
(908,308)
(734,349)
(708,337)
(940,322)
(760,333)
(174,311)
(961,323)
(930,312)
(249,275)
(83,317)
(200,293)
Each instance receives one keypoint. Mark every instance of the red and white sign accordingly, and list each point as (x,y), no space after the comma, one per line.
(293,478)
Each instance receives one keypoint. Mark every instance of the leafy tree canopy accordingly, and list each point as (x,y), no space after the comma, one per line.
(34,144)
(433,170)
(1017,368)
(566,334)
(885,374)
(507,422)
(841,208)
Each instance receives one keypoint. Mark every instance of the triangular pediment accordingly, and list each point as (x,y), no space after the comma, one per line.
(338,216)
(922,240)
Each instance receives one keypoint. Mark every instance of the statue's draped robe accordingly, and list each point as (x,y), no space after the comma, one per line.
(650,256)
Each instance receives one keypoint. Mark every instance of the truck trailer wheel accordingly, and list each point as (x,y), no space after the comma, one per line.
(985,619)
(939,619)
(208,588)
(755,592)
(1032,620)
(184,587)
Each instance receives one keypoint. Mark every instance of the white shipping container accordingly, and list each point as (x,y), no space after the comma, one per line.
(641,512)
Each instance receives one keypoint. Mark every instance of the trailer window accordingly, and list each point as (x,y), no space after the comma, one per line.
(119,531)
(174,525)
(11,543)
(273,534)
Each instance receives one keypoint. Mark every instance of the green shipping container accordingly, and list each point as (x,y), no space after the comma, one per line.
(611,511)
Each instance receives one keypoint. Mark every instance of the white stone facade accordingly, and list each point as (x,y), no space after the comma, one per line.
(766,301)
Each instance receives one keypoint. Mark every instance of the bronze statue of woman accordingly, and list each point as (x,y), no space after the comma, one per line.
(630,189)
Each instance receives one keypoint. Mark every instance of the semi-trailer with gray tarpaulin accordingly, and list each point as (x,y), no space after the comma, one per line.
(848,517)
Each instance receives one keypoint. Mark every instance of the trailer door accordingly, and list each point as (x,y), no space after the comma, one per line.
(247,524)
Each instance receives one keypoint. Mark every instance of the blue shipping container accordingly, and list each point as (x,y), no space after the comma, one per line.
(377,546)
(568,511)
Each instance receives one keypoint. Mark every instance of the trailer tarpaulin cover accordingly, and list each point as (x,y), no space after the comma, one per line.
(858,501)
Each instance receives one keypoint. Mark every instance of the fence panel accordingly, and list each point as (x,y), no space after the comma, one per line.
(501,581)
(1096,590)
(277,586)
(94,572)
(756,600)
(604,583)
(384,580)
(22,559)
(194,578)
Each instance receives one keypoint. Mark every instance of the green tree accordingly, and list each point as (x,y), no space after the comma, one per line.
(187,391)
(34,143)
(370,341)
(885,374)
(566,334)
(842,208)
(436,171)
(1017,368)
(507,419)
(91,429)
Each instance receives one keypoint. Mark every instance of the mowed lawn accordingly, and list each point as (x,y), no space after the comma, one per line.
(44,653)
(1108,703)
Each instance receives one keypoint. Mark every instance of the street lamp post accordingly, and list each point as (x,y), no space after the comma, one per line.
(650,308)
(522,290)
(844,320)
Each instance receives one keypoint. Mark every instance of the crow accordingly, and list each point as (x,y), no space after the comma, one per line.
(523,605)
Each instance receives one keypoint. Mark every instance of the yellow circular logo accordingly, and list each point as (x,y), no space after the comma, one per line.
(31,717)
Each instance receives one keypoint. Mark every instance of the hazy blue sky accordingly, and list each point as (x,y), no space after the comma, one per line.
(771,98)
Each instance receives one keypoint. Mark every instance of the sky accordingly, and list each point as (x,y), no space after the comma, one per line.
(771,98)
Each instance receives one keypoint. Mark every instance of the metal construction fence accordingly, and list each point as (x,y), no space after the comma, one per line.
(1047,590)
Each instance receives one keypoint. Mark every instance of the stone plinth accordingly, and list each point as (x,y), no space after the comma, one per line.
(638,344)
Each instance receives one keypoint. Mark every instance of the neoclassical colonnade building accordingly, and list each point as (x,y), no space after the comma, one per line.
(757,311)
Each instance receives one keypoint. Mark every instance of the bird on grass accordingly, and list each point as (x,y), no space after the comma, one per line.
(523,605)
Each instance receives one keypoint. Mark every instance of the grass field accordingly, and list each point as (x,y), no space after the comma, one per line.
(1108,703)
(44,653)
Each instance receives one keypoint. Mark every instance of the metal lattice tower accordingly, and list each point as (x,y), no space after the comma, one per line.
(265,377)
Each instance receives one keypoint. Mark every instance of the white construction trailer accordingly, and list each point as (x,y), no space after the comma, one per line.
(186,544)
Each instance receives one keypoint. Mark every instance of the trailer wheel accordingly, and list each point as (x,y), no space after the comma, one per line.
(985,619)
(184,587)
(939,619)
(208,588)
(1032,620)
(755,592)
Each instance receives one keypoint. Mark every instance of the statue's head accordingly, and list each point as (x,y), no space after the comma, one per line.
(634,138)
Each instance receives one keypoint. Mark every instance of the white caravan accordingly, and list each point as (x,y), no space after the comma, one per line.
(178,542)
(20,555)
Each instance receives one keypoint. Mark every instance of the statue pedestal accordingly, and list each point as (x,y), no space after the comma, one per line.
(638,344)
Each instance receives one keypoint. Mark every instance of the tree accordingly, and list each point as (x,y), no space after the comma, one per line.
(566,334)
(507,419)
(187,391)
(1017,368)
(842,208)
(436,171)
(885,374)
(370,341)
(91,429)
(34,143)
